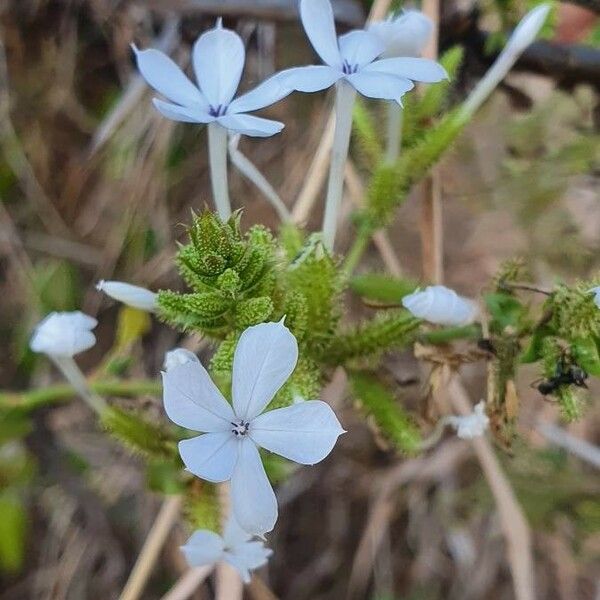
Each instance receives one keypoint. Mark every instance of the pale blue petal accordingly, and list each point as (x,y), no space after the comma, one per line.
(264,358)
(319,24)
(167,78)
(211,456)
(305,432)
(380,85)
(250,125)
(218,58)
(312,78)
(417,69)
(360,47)
(181,113)
(253,500)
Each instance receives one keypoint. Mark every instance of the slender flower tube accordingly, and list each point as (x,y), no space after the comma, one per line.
(62,335)
(218,59)
(244,166)
(264,359)
(236,548)
(403,35)
(523,35)
(351,61)
(132,295)
(344,102)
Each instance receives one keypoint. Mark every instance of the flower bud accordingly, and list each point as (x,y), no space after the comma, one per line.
(441,305)
(177,357)
(132,295)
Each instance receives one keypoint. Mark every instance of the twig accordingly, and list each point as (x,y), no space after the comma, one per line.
(188,583)
(525,286)
(259,591)
(576,446)
(168,514)
(512,520)
(432,231)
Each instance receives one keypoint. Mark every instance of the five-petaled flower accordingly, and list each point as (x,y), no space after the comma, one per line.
(264,359)
(236,548)
(218,59)
(472,425)
(64,334)
(354,57)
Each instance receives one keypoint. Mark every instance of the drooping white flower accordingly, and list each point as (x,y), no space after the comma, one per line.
(178,356)
(441,305)
(218,59)
(354,57)
(64,334)
(132,295)
(406,34)
(596,292)
(523,35)
(236,548)
(470,426)
(265,357)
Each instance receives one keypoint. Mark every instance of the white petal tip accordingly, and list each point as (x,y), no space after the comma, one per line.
(135,49)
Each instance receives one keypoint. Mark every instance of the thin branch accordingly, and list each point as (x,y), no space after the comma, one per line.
(188,583)
(167,516)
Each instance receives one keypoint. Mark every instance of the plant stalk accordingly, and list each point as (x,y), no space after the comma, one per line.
(217,157)
(344,102)
(73,374)
(395,114)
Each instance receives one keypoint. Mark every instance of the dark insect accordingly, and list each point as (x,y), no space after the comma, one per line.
(566,374)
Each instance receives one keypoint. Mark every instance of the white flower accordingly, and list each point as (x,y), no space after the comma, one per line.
(441,305)
(403,35)
(265,357)
(132,295)
(472,425)
(218,59)
(236,547)
(528,28)
(353,57)
(177,357)
(596,292)
(64,334)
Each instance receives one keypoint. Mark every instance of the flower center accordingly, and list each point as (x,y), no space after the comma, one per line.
(240,428)
(217,111)
(349,69)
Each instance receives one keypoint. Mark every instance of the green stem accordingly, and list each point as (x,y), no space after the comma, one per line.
(358,248)
(448,334)
(30,400)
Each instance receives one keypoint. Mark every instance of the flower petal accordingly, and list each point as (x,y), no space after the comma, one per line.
(246,557)
(317,19)
(132,295)
(193,401)
(265,357)
(64,334)
(253,500)
(360,47)
(203,548)
(268,92)
(166,77)
(233,533)
(417,69)
(405,35)
(305,432)
(250,125)
(380,85)
(211,456)
(183,114)
(218,57)
(312,78)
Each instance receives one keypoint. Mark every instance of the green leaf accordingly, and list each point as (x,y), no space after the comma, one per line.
(585,352)
(534,350)
(506,310)
(13,530)
(389,415)
(381,287)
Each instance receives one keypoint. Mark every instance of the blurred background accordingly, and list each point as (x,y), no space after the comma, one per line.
(95,184)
